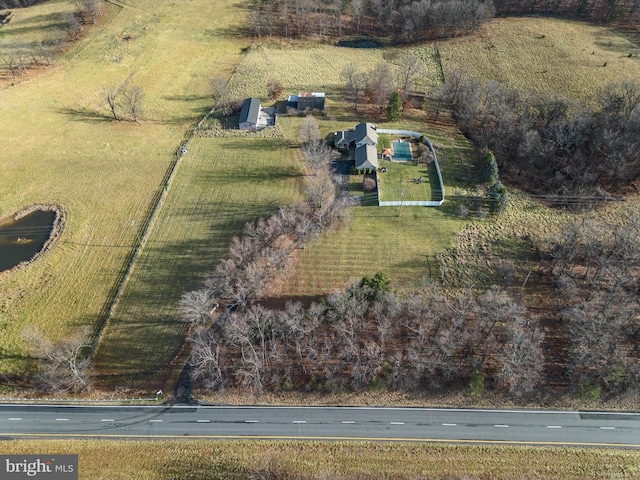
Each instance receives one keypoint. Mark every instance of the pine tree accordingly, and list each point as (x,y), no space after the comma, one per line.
(394,109)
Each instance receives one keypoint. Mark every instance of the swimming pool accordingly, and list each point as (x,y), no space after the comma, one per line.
(402,151)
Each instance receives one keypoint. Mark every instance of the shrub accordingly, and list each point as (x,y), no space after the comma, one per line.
(369,184)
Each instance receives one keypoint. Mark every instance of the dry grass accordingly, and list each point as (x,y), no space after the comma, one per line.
(340,460)
(547,55)
(59,147)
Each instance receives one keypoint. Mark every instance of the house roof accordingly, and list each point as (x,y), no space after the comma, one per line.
(366,156)
(343,137)
(366,133)
(250,111)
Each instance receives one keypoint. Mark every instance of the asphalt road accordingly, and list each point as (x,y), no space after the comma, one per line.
(324,423)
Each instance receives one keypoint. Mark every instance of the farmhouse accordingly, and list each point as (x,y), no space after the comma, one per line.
(361,143)
(305,101)
(253,116)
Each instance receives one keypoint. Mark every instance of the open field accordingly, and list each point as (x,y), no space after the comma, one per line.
(221,184)
(101,459)
(60,147)
(546,55)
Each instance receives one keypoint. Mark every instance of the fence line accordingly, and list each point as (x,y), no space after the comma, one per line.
(422,203)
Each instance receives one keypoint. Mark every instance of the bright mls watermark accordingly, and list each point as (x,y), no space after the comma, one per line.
(50,467)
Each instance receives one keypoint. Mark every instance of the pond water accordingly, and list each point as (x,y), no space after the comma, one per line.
(21,239)
(364,43)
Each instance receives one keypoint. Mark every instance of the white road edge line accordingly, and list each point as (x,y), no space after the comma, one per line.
(501,426)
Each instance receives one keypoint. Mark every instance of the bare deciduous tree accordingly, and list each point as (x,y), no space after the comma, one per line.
(132,101)
(63,365)
(309,130)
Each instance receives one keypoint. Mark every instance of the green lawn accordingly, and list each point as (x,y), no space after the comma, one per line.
(220,185)
(399,181)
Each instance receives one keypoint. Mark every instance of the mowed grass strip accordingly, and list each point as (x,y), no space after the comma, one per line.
(229,460)
(219,186)
(548,55)
(59,146)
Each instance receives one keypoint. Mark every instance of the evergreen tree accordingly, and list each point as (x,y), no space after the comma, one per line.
(394,109)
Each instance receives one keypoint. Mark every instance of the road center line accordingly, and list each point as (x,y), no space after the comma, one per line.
(203,421)
(14,419)
(251,421)
(397,423)
(155,421)
(62,419)
(554,426)
(501,426)
(348,421)
(299,421)
(107,420)
(607,428)
(449,424)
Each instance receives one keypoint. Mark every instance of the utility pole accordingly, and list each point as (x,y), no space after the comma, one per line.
(401,200)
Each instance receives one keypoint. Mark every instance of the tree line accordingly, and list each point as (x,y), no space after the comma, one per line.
(552,144)
(401,20)
(365,337)
(595,264)
(19,58)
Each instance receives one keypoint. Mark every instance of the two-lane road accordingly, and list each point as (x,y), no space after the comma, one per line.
(327,423)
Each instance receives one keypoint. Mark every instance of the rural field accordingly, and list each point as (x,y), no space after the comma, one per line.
(547,55)
(199,459)
(221,184)
(61,147)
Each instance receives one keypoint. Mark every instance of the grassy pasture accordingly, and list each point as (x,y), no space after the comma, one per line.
(60,147)
(241,459)
(220,185)
(547,55)
(317,67)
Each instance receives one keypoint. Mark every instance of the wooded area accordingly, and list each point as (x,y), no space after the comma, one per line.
(552,144)
(407,21)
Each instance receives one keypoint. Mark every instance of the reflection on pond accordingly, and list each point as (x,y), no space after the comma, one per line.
(22,239)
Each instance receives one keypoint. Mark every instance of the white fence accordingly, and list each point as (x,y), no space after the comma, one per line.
(420,203)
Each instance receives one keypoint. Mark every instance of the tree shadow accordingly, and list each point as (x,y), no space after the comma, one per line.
(85,114)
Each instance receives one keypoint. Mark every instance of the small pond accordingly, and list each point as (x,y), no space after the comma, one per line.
(22,239)
(364,43)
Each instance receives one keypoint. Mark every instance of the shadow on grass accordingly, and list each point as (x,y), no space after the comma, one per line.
(146,332)
(86,114)
(41,23)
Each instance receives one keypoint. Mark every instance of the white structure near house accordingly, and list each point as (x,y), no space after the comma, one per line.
(253,116)
(361,143)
